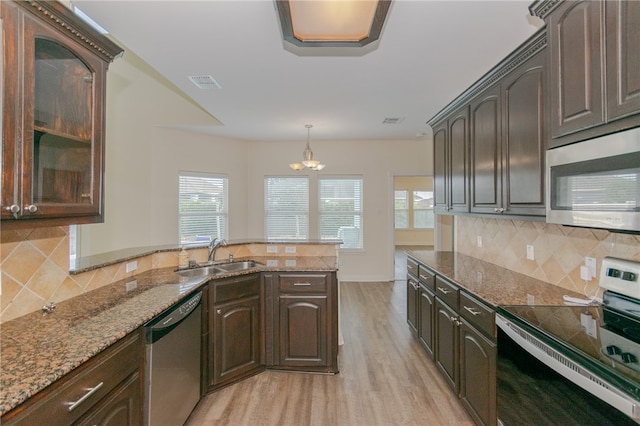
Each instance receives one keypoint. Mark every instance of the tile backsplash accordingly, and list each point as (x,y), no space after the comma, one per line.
(558,250)
(34,265)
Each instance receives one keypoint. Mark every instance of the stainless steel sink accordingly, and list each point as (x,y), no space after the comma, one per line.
(238,266)
(221,268)
(200,272)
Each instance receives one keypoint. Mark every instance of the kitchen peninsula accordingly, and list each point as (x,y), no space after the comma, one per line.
(42,351)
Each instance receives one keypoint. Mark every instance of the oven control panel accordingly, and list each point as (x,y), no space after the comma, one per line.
(620,276)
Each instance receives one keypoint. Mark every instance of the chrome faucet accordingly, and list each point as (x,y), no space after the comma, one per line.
(215,243)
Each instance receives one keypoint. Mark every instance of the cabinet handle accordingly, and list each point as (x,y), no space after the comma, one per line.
(90,391)
(13,208)
(498,210)
(219,312)
(472,311)
(444,290)
(422,277)
(85,195)
(302,284)
(31,208)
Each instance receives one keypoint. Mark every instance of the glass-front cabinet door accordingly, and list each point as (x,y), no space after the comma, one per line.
(57,130)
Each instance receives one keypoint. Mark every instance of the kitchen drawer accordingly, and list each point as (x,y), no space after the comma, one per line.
(427,277)
(447,292)
(226,290)
(303,283)
(412,267)
(103,373)
(478,314)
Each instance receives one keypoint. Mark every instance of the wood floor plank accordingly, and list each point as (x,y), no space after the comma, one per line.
(385,377)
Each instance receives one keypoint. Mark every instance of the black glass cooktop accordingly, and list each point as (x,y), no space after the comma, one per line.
(582,334)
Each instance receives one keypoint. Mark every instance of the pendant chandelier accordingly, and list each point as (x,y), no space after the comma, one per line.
(307,157)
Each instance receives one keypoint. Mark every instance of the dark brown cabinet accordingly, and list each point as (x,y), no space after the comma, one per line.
(508,142)
(305,314)
(489,143)
(106,390)
(451,145)
(478,374)
(54,82)
(594,67)
(458,331)
(234,329)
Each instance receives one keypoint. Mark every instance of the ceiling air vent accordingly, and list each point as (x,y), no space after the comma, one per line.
(392,120)
(205,82)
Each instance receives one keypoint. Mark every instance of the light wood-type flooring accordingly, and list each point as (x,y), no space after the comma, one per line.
(385,377)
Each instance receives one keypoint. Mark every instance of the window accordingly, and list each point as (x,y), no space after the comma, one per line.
(340,210)
(286,201)
(423,210)
(202,207)
(401,209)
(413,209)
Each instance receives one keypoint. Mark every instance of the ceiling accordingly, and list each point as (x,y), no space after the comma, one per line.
(429,52)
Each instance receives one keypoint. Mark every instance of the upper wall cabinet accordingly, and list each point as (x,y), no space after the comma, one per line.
(451,158)
(594,65)
(489,143)
(53,96)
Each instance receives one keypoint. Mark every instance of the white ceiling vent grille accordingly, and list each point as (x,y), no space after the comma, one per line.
(392,120)
(204,82)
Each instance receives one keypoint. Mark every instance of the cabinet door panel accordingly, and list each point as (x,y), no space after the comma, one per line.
(425,319)
(236,339)
(524,138)
(485,152)
(303,330)
(446,350)
(459,142)
(478,375)
(440,168)
(623,58)
(412,304)
(576,74)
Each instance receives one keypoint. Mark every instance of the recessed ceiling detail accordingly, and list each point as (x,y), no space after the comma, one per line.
(392,120)
(204,82)
(332,23)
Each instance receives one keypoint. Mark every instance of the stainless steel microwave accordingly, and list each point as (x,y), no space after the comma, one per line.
(596,183)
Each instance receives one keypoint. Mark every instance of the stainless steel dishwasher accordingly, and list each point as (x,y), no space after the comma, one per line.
(173,363)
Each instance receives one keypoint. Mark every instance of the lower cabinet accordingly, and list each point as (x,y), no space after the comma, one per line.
(458,332)
(478,374)
(447,345)
(106,390)
(234,329)
(305,331)
(413,294)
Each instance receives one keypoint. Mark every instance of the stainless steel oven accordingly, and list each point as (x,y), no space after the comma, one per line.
(596,183)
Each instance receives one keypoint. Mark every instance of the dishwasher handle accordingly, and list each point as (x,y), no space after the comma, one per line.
(162,325)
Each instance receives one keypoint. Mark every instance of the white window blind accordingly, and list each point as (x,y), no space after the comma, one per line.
(401,209)
(340,210)
(423,210)
(202,207)
(286,201)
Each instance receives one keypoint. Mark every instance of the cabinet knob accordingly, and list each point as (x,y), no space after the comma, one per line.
(31,208)
(13,208)
(219,311)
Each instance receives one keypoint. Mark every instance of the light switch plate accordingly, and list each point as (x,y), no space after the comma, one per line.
(132,266)
(530,252)
(479,241)
(590,262)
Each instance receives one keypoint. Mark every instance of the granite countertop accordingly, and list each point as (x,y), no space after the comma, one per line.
(495,285)
(38,349)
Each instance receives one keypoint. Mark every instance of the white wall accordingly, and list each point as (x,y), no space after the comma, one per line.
(146,147)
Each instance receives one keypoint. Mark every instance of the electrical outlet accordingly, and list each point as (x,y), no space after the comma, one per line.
(290,263)
(479,241)
(531,299)
(290,249)
(590,262)
(272,262)
(530,252)
(131,285)
(272,248)
(585,273)
(132,266)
